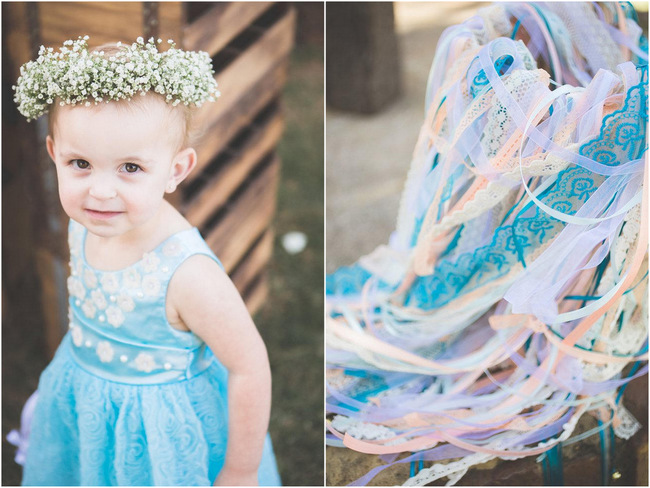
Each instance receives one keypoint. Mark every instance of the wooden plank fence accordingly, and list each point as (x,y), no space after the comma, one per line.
(231,194)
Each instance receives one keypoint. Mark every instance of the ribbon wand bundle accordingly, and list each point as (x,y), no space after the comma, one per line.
(513,292)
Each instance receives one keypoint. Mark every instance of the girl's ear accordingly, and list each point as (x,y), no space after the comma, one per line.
(49,143)
(182,165)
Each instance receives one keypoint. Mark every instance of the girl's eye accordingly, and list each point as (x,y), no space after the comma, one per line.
(131,167)
(80,163)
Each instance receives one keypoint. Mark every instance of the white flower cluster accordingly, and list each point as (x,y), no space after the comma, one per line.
(75,75)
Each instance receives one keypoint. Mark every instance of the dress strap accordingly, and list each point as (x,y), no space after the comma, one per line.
(181,246)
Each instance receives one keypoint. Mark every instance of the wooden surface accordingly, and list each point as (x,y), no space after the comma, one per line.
(240,77)
(230,195)
(219,25)
(236,117)
(255,261)
(245,217)
(16,35)
(232,174)
(363,70)
(52,296)
(256,295)
(170,16)
(104,22)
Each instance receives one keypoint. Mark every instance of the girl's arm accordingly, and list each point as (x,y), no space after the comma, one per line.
(208,303)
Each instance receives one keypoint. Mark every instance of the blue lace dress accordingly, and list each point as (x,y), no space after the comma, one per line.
(127,399)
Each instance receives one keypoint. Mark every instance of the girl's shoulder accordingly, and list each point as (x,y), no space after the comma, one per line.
(204,299)
(201,284)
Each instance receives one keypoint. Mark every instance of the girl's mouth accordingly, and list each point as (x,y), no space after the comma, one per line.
(101,214)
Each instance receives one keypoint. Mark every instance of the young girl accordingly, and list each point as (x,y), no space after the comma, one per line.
(135,394)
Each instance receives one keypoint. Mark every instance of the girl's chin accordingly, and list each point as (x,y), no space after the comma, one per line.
(102,225)
(103,230)
(114,227)
(113,224)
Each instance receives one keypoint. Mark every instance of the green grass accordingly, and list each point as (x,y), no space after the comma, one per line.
(291,321)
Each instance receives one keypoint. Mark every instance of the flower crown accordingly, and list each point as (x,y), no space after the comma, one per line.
(74,75)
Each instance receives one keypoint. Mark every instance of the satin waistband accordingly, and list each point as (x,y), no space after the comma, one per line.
(136,364)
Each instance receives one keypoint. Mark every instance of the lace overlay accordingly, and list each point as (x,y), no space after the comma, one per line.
(628,425)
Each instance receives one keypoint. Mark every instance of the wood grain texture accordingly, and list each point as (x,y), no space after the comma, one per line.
(219,25)
(238,116)
(104,22)
(53,305)
(234,172)
(240,76)
(246,217)
(255,297)
(170,18)
(363,68)
(16,36)
(254,262)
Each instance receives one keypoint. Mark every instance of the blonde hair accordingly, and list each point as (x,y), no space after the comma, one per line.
(181,114)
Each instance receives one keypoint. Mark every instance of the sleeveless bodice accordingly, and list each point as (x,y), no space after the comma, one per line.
(118,324)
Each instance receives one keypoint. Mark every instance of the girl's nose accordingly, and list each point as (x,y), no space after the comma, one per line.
(102,188)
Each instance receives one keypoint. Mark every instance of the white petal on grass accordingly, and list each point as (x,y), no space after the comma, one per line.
(294,242)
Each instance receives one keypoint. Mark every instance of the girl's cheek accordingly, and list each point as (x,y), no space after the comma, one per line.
(67,188)
(70,192)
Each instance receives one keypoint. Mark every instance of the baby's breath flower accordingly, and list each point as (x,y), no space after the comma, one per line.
(76,75)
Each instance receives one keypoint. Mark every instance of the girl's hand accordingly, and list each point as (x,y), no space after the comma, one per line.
(228,477)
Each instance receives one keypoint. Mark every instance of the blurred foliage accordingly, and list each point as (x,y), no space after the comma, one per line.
(291,321)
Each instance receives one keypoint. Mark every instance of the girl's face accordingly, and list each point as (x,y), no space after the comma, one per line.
(114,165)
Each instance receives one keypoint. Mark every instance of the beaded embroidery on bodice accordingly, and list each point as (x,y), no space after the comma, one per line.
(118,324)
